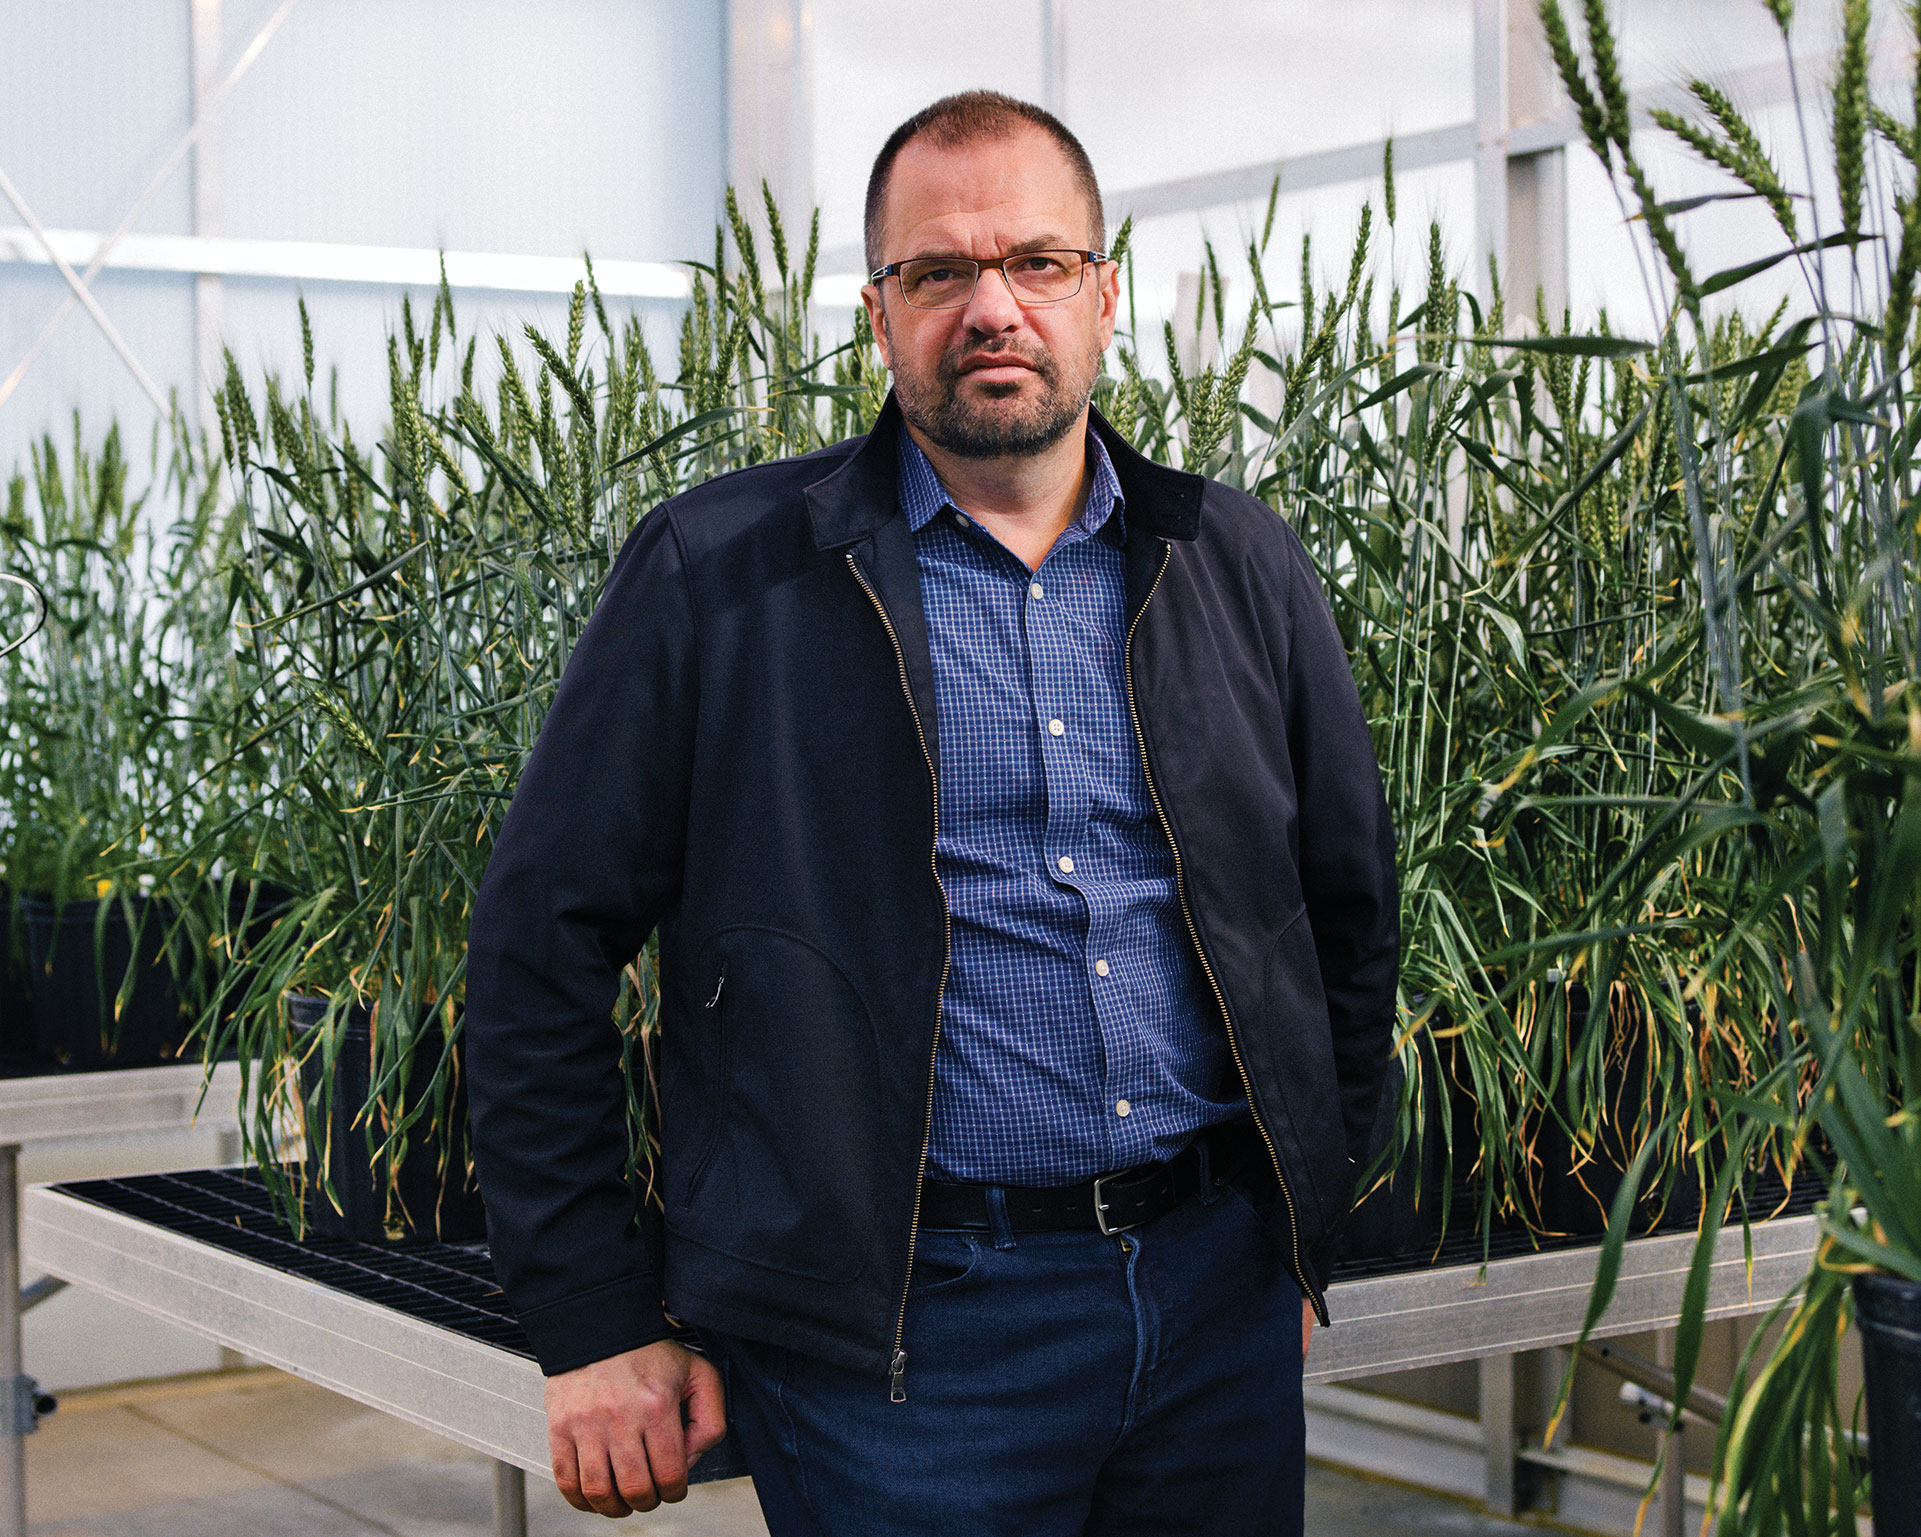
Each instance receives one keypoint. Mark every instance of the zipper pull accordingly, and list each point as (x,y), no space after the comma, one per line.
(896,1386)
(718,985)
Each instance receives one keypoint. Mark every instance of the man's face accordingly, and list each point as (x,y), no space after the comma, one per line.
(993,377)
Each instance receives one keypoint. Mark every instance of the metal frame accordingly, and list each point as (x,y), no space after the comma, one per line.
(51,1108)
(120,1100)
(770,103)
(1516,142)
(331,262)
(766,40)
(492,1401)
(1536,131)
(1431,1317)
(205,30)
(1449,1452)
(1054,56)
(1460,1313)
(41,243)
(1763,85)
(203,54)
(483,1397)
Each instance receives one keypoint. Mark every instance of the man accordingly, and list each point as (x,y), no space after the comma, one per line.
(1009,821)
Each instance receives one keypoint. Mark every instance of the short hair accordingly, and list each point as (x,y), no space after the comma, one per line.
(967,118)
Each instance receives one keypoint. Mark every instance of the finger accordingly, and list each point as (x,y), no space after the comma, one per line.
(599,1485)
(1307,1327)
(667,1456)
(566,1470)
(706,1405)
(628,1458)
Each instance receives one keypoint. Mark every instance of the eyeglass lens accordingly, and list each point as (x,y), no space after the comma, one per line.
(947,282)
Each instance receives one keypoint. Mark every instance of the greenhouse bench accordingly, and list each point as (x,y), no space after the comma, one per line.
(421,1331)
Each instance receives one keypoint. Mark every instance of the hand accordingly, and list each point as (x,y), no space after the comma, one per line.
(616,1431)
(1307,1326)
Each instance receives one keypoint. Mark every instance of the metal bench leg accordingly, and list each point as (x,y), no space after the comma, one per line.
(13,1450)
(1497,1432)
(1674,1467)
(510,1501)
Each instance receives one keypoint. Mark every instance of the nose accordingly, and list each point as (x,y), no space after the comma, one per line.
(992,311)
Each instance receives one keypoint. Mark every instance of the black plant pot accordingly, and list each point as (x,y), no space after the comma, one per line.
(19,1045)
(1575,1195)
(1887,1310)
(270,904)
(81,954)
(1403,1215)
(431,1194)
(245,933)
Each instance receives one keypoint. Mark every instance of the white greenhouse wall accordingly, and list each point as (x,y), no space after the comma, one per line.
(477,125)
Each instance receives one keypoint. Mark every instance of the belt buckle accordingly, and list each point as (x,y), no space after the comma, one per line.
(1108,1230)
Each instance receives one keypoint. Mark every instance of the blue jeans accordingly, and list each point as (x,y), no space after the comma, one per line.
(1057,1384)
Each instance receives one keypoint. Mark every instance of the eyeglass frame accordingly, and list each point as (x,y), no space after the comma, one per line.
(984,264)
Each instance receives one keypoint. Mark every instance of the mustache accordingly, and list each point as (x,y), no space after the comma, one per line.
(998,351)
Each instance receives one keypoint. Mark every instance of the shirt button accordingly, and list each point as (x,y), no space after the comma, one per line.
(1055,728)
(1122,1107)
(1034,589)
(1100,968)
(1066,864)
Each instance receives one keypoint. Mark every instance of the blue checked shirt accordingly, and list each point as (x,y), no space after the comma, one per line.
(1075,1039)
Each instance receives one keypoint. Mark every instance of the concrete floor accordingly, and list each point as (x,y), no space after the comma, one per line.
(255,1453)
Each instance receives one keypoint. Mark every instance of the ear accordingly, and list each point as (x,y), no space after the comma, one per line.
(870,296)
(1110,301)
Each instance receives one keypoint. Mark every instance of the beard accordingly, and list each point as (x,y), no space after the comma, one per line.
(995,421)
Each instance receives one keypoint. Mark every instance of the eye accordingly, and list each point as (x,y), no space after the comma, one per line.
(1042,264)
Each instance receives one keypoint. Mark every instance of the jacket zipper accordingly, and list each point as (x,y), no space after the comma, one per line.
(1194,933)
(897,1365)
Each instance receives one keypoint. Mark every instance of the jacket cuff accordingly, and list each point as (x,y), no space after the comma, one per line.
(592,1325)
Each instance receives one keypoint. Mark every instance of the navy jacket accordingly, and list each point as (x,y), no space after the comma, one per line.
(742,752)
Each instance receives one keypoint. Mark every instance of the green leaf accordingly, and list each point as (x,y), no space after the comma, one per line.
(685,429)
(1609,457)
(1405,379)
(1806,430)
(1729,276)
(1694,1294)
(1707,737)
(1754,362)
(1569,346)
(373,579)
(1689,204)
(1897,1261)
(1607,1266)
(1517,642)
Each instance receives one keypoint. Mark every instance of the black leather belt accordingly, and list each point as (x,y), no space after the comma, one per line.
(1110,1204)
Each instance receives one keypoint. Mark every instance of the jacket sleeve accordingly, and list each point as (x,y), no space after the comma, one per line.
(588,857)
(1347,850)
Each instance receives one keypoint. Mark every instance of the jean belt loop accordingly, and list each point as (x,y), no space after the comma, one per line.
(997,1222)
(1209,1194)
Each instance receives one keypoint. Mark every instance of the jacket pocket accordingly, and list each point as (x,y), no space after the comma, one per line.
(715,1021)
(786,1126)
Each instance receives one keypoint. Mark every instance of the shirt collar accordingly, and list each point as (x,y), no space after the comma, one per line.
(922,495)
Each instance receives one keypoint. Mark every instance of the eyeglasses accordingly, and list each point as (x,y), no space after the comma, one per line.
(947,282)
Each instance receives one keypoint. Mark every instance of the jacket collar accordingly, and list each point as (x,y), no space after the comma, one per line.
(1167,501)
(851,502)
